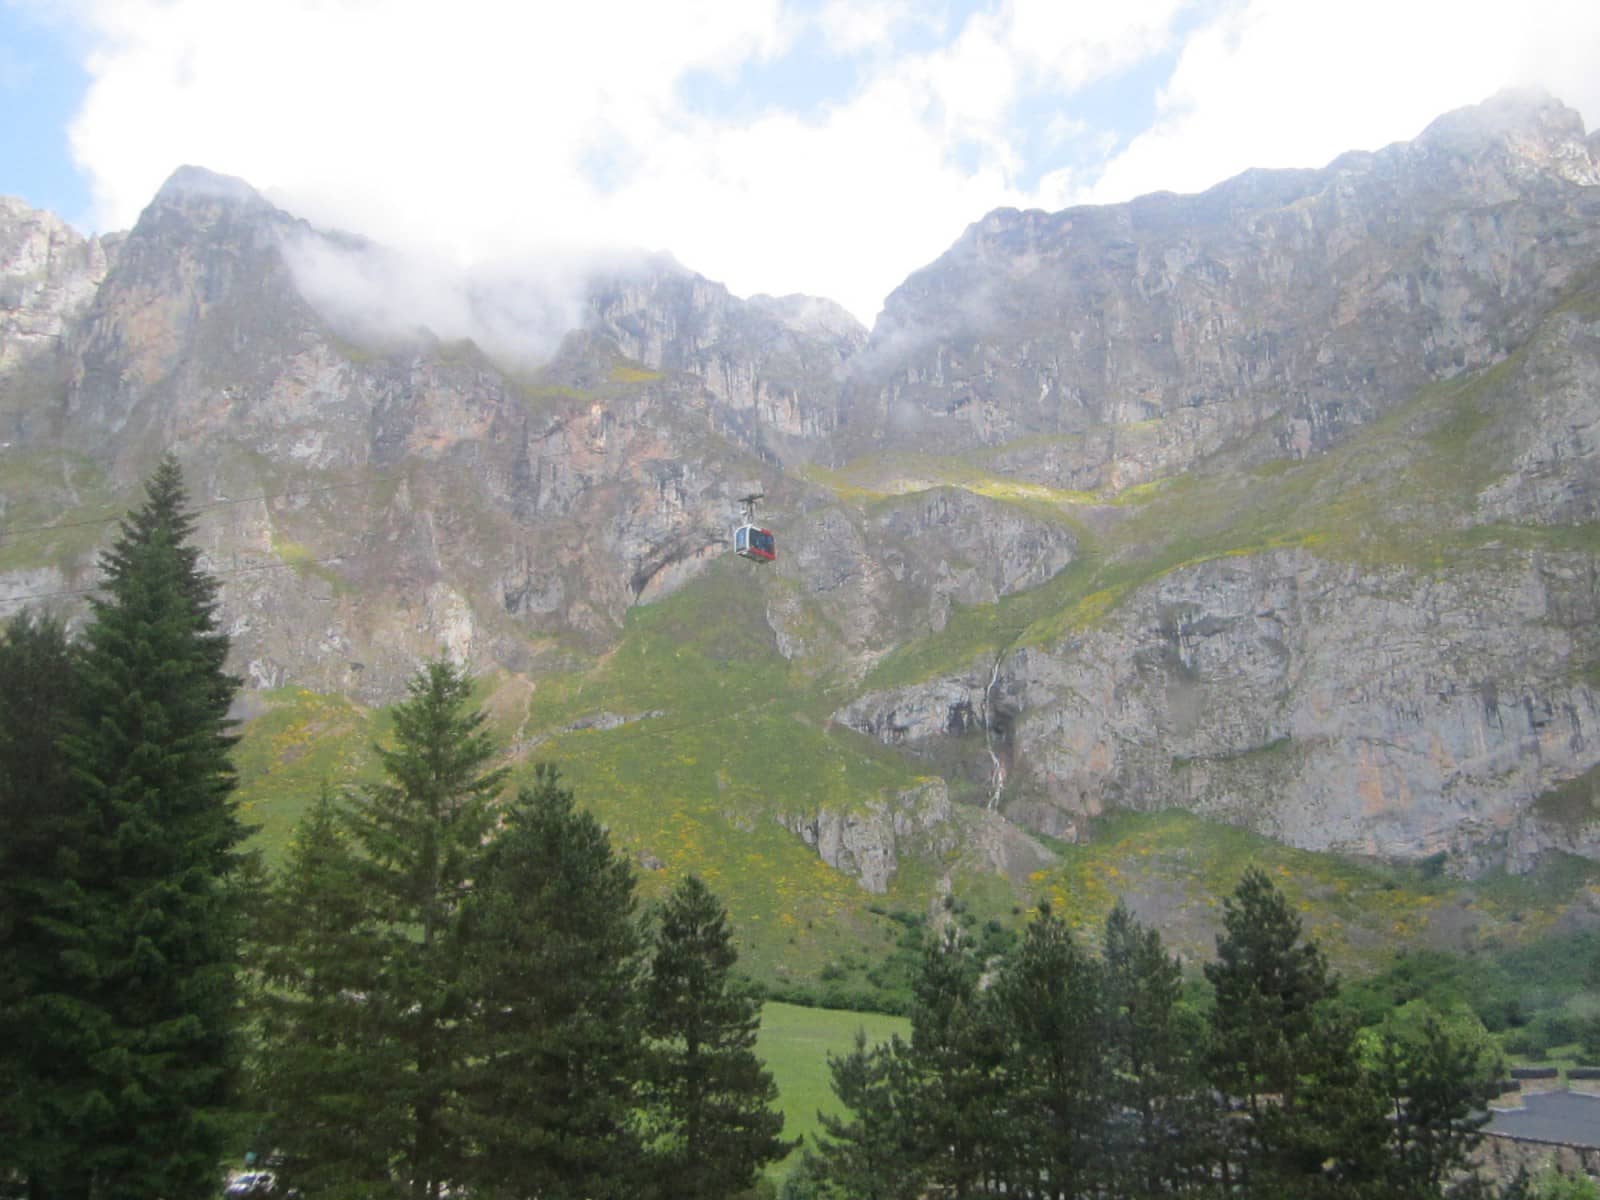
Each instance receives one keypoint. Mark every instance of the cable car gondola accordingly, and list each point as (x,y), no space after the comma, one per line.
(750,540)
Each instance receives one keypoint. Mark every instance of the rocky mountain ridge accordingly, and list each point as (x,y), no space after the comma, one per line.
(1275,503)
(1279,309)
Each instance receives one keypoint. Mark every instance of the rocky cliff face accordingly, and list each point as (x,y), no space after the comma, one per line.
(1276,503)
(48,277)
(422,496)
(868,843)
(1387,714)
(775,364)
(1281,308)
(1388,649)
(1414,677)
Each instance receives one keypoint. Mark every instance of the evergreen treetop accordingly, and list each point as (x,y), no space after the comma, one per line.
(41,834)
(551,965)
(146,911)
(711,1112)
(1268,982)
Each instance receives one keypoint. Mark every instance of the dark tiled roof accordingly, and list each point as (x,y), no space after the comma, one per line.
(1570,1118)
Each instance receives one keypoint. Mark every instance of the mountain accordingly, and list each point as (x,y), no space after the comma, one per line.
(1270,315)
(1345,420)
(1275,505)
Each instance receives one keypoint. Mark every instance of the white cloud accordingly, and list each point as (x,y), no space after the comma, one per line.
(481,133)
(854,26)
(440,122)
(482,130)
(1076,44)
(845,207)
(515,311)
(1287,83)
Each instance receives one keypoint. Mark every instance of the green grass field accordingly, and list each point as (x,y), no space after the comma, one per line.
(795,1043)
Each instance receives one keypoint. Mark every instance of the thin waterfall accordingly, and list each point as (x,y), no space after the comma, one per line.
(997,770)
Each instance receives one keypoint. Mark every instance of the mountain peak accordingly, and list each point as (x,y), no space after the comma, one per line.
(189,183)
(813,315)
(1531,126)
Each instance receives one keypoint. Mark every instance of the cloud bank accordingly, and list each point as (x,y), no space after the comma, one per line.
(828,147)
(515,311)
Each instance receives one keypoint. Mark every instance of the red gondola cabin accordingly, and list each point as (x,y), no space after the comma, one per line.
(751,542)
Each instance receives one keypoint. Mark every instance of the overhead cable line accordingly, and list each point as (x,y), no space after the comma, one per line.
(226,501)
(217,574)
(215,503)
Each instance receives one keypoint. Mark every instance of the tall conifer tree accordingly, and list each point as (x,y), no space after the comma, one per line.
(956,1057)
(419,837)
(41,828)
(317,942)
(1334,1140)
(876,1152)
(552,974)
(1048,997)
(155,917)
(1438,1087)
(1150,1052)
(1269,982)
(712,1114)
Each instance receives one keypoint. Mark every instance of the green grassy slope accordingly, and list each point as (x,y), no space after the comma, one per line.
(56,508)
(719,741)
(1176,868)
(687,795)
(795,1043)
(300,742)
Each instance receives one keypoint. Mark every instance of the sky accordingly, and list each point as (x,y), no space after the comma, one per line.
(829,147)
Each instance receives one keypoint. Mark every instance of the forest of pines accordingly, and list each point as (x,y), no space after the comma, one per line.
(448,988)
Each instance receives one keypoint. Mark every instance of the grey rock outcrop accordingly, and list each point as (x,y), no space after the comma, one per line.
(775,364)
(897,571)
(1546,427)
(49,274)
(1399,715)
(1281,308)
(869,844)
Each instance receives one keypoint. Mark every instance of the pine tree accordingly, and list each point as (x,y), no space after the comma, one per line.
(1048,997)
(1268,983)
(1334,1141)
(317,940)
(154,921)
(877,1152)
(712,1119)
(41,828)
(1154,1074)
(419,838)
(1438,1087)
(551,969)
(956,1061)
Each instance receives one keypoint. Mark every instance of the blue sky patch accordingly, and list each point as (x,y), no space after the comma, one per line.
(41,86)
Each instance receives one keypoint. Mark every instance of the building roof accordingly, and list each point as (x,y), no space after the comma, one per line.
(1566,1118)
